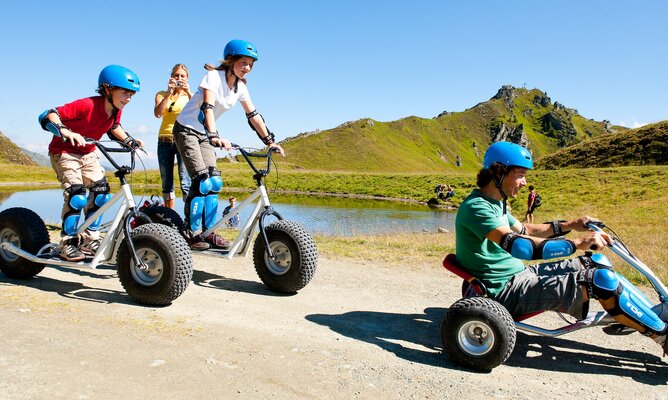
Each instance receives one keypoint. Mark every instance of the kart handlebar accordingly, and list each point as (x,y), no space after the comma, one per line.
(248,155)
(123,149)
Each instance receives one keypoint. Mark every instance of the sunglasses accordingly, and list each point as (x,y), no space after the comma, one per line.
(171,106)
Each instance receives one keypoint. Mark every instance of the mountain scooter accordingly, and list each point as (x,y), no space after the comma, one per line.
(479,333)
(154,261)
(284,253)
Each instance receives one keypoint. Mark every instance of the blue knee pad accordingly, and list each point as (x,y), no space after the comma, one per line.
(603,283)
(76,202)
(211,201)
(98,196)
(199,188)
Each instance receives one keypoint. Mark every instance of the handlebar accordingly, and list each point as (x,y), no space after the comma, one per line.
(124,149)
(259,173)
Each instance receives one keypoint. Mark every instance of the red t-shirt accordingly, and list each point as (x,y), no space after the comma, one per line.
(531,199)
(86,117)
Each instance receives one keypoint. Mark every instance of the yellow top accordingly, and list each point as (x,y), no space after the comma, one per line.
(173,109)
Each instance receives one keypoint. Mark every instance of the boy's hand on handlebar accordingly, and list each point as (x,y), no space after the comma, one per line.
(75,138)
(278,148)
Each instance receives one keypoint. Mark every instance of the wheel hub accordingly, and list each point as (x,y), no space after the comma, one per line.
(476,338)
(151,275)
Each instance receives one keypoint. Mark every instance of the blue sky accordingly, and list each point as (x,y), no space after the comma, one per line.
(323,63)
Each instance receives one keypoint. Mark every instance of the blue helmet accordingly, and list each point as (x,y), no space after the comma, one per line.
(240,48)
(118,76)
(509,154)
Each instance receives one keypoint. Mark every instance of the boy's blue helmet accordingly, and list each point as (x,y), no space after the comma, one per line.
(118,76)
(240,48)
(508,154)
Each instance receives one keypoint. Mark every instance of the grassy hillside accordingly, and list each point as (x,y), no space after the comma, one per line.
(647,145)
(420,145)
(12,154)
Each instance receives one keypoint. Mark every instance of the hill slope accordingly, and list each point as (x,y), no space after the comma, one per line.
(12,154)
(647,145)
(420,145)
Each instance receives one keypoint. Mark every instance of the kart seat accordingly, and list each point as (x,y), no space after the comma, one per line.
(475,286)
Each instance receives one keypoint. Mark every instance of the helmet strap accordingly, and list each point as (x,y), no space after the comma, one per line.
(236,79)
(498,182)
(110,99)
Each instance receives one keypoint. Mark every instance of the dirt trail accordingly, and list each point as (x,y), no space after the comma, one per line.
(358,330)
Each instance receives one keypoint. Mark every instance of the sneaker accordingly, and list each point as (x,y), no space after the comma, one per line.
(90,247)
(217,241)
(70,252)
(197,243)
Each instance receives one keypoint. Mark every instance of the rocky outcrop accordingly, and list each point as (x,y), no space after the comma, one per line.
(505,133)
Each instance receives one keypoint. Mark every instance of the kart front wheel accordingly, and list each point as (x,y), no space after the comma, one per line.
(478,333)
(295,257)
(24,229)
(167,258)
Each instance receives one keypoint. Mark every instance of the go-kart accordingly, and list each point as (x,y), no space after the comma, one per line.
(154,262)
(479,333)
(284,253)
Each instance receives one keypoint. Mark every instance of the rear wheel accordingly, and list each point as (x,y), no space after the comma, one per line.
(169,261)
(295,257)
(24,229)
(163,215)
(478,333)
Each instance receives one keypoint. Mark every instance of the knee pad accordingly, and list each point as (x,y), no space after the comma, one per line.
(603,283)
(211,200)
(199,188)
(76,201)
(97,197)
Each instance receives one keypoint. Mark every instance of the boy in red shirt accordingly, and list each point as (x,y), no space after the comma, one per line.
(77,164)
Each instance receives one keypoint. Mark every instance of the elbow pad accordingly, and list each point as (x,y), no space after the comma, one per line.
(525,248)
(201,117)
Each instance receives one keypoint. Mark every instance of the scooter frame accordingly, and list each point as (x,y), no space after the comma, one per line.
(110,243)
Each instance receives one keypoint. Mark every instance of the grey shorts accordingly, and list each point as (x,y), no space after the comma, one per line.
(196,151)
(542,287)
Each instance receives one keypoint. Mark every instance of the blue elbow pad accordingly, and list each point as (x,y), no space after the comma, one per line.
(518,246)
(554,248)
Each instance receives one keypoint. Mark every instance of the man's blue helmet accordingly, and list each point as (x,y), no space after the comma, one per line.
(240,48)
(509,154)
(118,76)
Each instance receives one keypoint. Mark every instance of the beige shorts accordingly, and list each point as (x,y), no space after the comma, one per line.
(76,169)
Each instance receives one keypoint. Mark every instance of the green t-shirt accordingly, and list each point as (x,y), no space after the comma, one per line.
(481,257)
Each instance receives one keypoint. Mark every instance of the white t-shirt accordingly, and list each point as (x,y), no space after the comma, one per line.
(225,98)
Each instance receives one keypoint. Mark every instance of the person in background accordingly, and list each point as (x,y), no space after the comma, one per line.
(491,244)
(197,136)
(168,105)
(234,221)
(77,164)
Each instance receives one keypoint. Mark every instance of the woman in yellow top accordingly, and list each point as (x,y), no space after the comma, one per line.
(168,105)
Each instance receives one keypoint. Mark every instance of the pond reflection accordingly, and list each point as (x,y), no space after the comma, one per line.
(324,215)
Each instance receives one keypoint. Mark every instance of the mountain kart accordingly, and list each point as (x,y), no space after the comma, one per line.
(479,333)
(154,262)
(284,253)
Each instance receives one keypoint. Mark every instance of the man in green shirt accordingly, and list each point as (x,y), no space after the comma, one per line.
(491,244)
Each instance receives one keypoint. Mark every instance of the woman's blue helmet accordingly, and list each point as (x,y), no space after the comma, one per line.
(240,48)
(508,154)
(118,76)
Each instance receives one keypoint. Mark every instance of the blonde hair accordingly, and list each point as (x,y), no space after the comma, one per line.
(178,67)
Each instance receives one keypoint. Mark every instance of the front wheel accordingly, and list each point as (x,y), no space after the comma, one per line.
(478,333)
(24,229)
(295,257)
(169,261)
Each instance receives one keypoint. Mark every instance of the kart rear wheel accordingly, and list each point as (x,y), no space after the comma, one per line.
(163,215)
(169,261)
(478,333)
(295,257)
(24,229)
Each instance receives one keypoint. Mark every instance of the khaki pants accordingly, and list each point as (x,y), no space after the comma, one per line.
(196,151)
(77,169)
